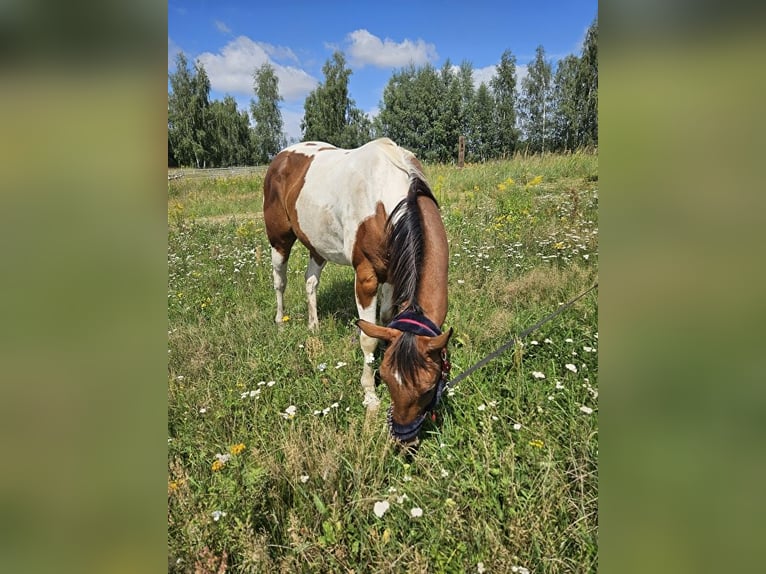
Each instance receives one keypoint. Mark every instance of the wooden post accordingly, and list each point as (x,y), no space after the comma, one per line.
(461,151)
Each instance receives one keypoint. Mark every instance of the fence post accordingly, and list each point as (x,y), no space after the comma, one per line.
(461,151)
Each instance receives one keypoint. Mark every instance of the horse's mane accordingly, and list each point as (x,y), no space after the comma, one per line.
(405,256)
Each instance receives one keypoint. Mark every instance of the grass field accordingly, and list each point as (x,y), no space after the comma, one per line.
(506,479)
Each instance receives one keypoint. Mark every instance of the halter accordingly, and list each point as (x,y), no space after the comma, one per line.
(419,324)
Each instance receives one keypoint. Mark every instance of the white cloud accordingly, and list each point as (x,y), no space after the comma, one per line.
(366,48)
(221,27)
(483,75)
(231,70)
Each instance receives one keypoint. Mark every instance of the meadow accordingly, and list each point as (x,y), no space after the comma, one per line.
(274,464)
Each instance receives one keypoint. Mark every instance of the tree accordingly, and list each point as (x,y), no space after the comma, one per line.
(229,134)
(268,135)
(181,117)
(535,104)
(566,118)
(587,89)
(503,86)
(484,135)
(329,114)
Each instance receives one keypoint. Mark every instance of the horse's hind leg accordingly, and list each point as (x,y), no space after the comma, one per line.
(279,257)
(313,273)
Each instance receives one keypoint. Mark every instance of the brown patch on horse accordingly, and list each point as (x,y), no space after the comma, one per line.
(369,255)
(282,185)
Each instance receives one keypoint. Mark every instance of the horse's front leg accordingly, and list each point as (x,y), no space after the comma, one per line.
(366,288)
(313,273)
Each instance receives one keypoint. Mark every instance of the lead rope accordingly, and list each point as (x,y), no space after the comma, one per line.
(525,333)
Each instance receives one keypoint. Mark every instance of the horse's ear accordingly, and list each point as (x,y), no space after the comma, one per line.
(378,331)
(440,341)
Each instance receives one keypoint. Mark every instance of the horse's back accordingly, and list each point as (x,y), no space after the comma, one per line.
(327,192)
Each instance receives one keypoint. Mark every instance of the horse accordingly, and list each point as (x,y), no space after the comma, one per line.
(370,208)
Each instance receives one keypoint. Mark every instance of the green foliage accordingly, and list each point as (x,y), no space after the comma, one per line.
(329,114)
(587,94)
(503,85)
(507,475)
(202,133)
(268,137)
(536,104)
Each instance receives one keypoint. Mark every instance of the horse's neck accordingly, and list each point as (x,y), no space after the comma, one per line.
(432,288)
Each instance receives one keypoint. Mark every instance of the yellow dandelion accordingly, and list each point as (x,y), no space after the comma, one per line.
(285,318)
(236,449)
(501,187)
(217,465)
(559,245)
(537,180)
(173,485)
(537,443)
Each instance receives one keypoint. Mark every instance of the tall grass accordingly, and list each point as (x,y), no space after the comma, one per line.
(506,478)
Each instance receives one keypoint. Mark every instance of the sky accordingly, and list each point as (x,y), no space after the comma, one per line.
(233,38)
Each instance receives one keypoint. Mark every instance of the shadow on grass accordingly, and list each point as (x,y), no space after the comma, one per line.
(335,297)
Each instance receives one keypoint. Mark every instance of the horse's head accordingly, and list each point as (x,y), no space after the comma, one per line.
(414,368)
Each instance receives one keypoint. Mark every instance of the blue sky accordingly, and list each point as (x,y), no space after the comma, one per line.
(233,38)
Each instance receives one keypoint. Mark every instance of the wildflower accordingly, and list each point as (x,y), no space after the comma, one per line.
(289,412)
(586,410)
(271,383)
(569,340)
(380,508)
(481,407)
(571,367)
(547,340)
(286,318)
(534,343)
(217,465)
(237,448)
(445,473)
(340,364)
(322,366)
(538,375)
(173,485)
(587,349)
(218,514)
(202,411)
(460,282)
(517,426)
(537,443)
(559,386)
(304,478)
(334,406)
(480,568)
(416,512)
(402,498)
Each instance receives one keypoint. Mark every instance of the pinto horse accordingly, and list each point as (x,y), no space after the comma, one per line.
(370,208)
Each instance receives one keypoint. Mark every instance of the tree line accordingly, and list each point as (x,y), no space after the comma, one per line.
(423,109)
